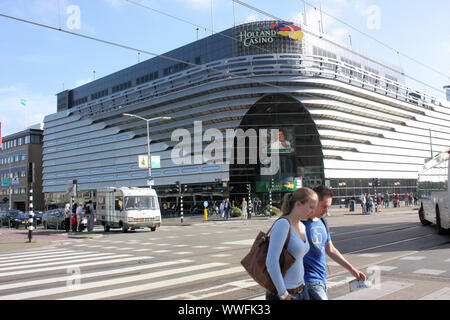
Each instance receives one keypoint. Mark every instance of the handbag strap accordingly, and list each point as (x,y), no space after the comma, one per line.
(289,231)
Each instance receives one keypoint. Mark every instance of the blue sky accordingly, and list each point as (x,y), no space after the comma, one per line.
(36,63)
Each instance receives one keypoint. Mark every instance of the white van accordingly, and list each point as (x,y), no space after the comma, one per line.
(128,208)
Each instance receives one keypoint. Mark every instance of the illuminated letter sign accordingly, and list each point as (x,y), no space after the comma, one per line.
(267,34)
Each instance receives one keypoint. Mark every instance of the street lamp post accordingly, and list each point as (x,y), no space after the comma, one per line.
(149,160)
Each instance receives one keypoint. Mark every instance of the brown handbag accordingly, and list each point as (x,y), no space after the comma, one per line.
(255,261)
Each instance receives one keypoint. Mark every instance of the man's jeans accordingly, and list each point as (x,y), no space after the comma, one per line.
(298,296)
(316,290)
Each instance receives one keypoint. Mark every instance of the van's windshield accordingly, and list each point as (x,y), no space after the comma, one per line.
(141,203)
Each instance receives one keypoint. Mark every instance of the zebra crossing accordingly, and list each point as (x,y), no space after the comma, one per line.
(186,262)
(56,273)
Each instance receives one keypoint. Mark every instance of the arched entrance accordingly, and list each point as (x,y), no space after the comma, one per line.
(299,150)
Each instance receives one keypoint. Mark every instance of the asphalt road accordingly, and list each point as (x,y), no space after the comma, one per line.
(201,260)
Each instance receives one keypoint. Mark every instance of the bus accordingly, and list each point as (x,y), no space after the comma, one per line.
(128,208)
(434,192)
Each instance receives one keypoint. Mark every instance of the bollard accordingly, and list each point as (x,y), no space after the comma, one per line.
(181,206)
(205,212)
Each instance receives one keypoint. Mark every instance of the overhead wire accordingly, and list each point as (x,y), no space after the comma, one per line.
(396,51)
(188,22)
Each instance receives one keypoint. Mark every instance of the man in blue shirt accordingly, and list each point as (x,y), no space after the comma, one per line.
(314,262)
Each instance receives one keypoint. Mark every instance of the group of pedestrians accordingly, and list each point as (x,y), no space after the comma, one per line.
(309,243)
(368,202)
(74,219)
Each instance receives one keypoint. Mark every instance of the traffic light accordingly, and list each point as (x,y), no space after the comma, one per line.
(185,188)
(177,186)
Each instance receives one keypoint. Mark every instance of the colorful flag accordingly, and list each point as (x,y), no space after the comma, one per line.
(23,102)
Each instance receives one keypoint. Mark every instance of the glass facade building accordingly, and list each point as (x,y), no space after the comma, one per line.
(346,120)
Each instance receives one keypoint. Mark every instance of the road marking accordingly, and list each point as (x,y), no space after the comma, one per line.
(413,258)
(31,253)
(214,291)
(247,242)
(182,252)
(83,286)
(24,257)
(124,248)
(160,284)
(140,250)
(385,268)
(161,251)
(200,247)
(443,294)
(369,255)
(386,288)
(432,272)
(46,258)
(30,283)
(123,258)
(48,262)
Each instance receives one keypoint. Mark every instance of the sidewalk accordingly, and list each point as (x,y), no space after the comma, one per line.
(17,239)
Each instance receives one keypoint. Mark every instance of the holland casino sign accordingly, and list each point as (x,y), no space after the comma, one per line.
(268,33)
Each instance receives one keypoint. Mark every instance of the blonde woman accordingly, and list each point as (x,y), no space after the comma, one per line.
(297,206)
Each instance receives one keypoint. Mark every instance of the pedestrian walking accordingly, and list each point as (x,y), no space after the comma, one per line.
(222,208)
(244,208)
(319,238)
(67,216)
(297,206)
(226,209)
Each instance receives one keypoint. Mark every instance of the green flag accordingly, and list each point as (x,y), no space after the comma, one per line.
(23,102)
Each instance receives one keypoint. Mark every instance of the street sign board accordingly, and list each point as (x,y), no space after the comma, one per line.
(5,182)
(143,161)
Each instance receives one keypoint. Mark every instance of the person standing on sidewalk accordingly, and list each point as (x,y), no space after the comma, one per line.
(363,203)
(67,216)
(244,208)
(319,238)
(90,216)
(79,214)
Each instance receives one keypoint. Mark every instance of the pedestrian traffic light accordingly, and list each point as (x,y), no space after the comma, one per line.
(177,186)
(185,188)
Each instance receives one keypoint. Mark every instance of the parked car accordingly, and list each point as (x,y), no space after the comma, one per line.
(2,218)
(19,220)
(7,218)
(38,216)
(53,219)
